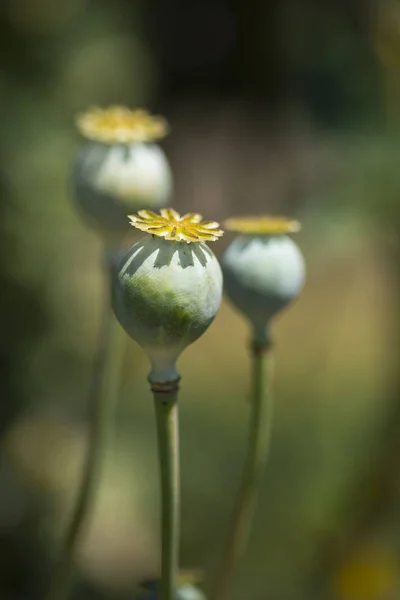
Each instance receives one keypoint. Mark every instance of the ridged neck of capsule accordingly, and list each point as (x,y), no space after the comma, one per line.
(163,364)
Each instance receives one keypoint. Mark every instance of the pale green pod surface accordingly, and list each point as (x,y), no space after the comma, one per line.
(183,592)
(165,295)
(189,592)
(262,275)
(110,181)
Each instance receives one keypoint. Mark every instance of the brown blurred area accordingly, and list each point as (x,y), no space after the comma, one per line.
(289,107)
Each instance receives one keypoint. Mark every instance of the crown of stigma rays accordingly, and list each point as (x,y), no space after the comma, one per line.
(118,124)
(168,286)
(173,227)
(262,225)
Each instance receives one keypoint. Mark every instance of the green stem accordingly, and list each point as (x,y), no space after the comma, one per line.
(101,404)
(256,455)
(166,406)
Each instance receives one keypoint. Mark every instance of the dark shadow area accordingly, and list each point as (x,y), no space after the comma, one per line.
(164,254)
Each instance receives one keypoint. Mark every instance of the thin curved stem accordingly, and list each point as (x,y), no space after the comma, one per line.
(256,456)
(101,405)
(166,406)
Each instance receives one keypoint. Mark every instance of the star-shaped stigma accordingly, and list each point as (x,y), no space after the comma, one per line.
(172,226)
(120,125)
(262,225)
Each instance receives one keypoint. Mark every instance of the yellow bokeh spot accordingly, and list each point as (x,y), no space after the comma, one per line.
(369,574)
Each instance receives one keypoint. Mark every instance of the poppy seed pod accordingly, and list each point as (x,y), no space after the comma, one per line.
(186,587)
(263,269)
(185,591)
(168,286)
(120,168)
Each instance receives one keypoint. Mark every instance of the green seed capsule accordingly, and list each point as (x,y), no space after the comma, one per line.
(110,182)
(183,592)
(263,273)
(119,169)
(165,295)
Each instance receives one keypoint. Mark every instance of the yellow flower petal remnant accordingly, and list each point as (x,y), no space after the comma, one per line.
(120,125)
(262,225)
(171,226)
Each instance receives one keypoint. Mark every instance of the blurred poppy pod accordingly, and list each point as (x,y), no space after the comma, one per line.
(183,592)
(186,588)
(263,268)
(120,168)
(168,286)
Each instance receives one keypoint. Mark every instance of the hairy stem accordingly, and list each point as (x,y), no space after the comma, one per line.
(166,406)
(256,455)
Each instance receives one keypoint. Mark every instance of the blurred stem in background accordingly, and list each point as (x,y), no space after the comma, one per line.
(101,404)
(257,452)
(166,406)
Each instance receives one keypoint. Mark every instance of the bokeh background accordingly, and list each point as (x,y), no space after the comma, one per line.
(285,106)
